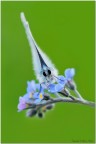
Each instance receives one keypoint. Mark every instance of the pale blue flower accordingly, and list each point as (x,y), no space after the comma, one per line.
(61,79)
(36,91)
(54,88)
(69,73)
(32,86)
(34,95)
(38,96)
(22,104)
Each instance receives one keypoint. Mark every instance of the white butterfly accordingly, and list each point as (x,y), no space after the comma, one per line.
(44,69)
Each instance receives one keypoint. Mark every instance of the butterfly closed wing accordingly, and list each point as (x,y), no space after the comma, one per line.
(45,70)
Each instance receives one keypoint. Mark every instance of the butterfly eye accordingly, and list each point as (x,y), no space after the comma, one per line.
(49,72)
(44,74)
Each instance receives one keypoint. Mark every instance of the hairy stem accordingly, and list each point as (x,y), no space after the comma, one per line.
(66,100)
(78,94)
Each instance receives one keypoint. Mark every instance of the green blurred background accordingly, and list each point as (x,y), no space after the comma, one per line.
(65,32)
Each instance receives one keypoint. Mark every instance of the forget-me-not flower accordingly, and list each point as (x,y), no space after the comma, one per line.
(54,88)
(34,95)
(22,104)
(69,74)
(68,79)
(36,91)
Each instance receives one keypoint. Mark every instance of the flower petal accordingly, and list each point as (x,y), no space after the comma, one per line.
(38,87)
(37,101)
(36,95)
(59,87)
(69,73)
(21,105)
(26,97)
(44,86)
(61,79)
(31,86)
(52,88)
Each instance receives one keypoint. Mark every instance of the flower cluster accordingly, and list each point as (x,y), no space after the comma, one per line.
(36,92)
(34,95)
(62,81)
(40,113)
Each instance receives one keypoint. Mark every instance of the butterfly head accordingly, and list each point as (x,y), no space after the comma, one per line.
(47,75)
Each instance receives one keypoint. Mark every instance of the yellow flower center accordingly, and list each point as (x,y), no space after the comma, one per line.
(30,96)
(41,96)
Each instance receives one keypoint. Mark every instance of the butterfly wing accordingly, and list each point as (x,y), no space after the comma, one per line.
(39,57)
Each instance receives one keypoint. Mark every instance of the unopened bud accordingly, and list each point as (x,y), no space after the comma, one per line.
(65,92)
(49,107)
(40,115)
(71,84)
(46,96)
(31,113)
